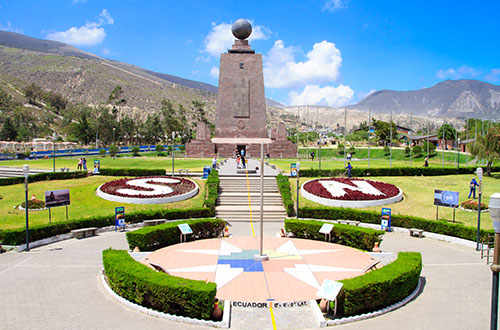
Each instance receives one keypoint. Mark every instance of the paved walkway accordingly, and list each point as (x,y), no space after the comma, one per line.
(58,287)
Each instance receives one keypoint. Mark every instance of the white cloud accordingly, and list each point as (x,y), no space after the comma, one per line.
(333,5)
(220,38)
(493,75)
(10,28)
(462,72)
(322,66)
(214,72)
(316,95)
(90,34)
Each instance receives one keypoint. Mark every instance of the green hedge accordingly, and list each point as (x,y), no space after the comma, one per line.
(155,237)
(382,287)
(353,236)
(286,194)
(146,287)
(18,236)
(393,171)
(439,227)
(43,177)
(212,191)
(132,171)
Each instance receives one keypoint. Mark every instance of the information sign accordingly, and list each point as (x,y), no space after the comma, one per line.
(446,198)
(120,217)
(293,169)
(185,229)
(386,219)
(97,166)
(326,228)
(54,198)
(329,290)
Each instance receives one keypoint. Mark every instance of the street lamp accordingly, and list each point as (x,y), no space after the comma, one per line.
(458,152)
(479,173)
(495,267)
(54,136)
(173,152)
(114,147)
(26,172)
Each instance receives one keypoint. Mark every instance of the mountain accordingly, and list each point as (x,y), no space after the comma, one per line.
(450,98)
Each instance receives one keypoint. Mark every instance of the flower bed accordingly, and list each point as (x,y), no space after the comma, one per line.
(347,192)
(148,190)
(472,206)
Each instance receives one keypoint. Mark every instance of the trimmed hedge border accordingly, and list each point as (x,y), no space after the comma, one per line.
(43,177)
(132,171)
(381,287)
(348,235)
(155,237)
(393,171)
(286,194)
(18,236)
(405,221)
(146,287)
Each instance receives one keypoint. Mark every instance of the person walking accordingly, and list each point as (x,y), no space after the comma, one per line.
(214,162)
(426,162)
(243,161)
(472,185)
(238,162)
(84,164)
(79,167)
(349,168)
(312,155)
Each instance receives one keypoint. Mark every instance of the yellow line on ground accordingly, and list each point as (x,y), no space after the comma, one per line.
(272,314)
(250,204)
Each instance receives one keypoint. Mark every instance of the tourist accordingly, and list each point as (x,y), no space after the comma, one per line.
(79,164)
(84,164)
(243,165)
(349,168)
(238,162)
(214,162)
(426,162)
(472,185)
(312,155)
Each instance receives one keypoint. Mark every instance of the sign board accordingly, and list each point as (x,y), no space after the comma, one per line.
(54,198)
(326,228)
(385,218)
(120,217)
(329,290)
(97,166)
(293,169)
(446,198)
(185,229)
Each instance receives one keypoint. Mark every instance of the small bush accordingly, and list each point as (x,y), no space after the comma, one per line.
(382,287)
(212,188)
(102,152)
(146,287)
(286,194)
(135,151)
(353,236)
(42,177)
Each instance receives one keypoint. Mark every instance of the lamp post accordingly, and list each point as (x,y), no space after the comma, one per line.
(298,188)
(319,153)
(54,151)
(479,173)
(173,152)
(495,267)
(114,147)
(458,152)
(26,172)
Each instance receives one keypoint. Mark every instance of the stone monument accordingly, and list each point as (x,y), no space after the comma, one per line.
(240,122)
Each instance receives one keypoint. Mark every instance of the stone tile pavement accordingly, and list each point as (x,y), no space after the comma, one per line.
(57,287)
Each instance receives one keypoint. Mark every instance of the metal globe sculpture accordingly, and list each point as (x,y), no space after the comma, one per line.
(242,29)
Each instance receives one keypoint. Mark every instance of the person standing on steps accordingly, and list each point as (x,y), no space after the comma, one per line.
(214,162)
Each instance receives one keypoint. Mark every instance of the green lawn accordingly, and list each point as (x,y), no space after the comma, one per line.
(84,202)
(418,198)
(149,161)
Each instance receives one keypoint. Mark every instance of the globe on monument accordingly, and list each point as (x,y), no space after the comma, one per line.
(242,29)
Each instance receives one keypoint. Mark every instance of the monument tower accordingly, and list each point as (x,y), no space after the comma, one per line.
(241,106)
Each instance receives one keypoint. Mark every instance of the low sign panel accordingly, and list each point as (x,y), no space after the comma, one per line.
(293,169)
(54,198)
(120,216)
(185,229)
(326,228)
(446,198)
(329,290)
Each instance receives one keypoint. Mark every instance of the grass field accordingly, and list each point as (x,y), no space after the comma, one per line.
(418,198)
(84,202)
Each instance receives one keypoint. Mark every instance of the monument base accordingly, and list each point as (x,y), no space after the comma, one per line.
(200,149)
(277,149)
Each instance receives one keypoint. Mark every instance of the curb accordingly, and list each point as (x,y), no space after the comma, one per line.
(225,323)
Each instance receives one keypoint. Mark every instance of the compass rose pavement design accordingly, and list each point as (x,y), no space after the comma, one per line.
(295,269)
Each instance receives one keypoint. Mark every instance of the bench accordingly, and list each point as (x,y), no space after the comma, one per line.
(64,169)
(154,222)
(348,222)
(84,232)
(416,232)
(186,170)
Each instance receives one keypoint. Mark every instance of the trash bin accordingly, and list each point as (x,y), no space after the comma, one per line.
(206,172)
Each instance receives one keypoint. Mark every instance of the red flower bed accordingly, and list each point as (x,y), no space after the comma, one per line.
(179,188)
(316,188)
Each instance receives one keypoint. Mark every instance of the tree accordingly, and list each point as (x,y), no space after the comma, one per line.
(55,100)
(9,131)
(200,113)
(449,133)
(33,93)
(488,147)
(383,130)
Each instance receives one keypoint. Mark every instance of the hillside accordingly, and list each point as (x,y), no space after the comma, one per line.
(450,98)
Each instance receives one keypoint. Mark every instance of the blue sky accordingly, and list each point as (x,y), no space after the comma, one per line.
(329,52)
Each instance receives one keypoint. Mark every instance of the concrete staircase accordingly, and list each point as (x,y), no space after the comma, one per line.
(233,203)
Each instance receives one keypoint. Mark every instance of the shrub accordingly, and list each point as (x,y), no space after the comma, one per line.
(113,150)
(131,171)
(212,191)
(286,194)
(155,237)
(417,151)
(348,235)
(102,152)
(146,287)
(34,204)
(43,177)
(135,151)
(473,205)
(159,148)
(405,221)
(382,287)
